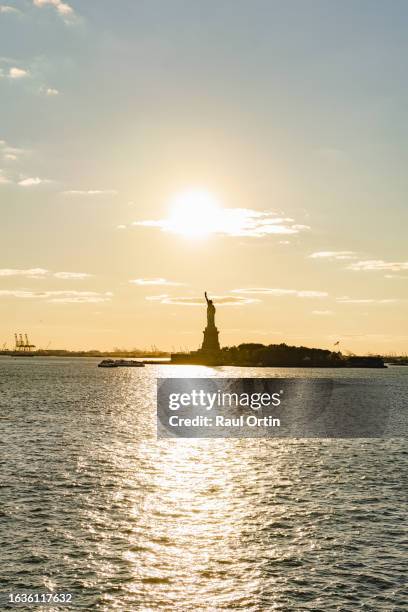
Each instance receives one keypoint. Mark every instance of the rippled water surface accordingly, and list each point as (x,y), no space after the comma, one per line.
(91,503)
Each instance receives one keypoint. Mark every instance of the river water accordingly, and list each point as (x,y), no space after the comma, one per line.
(92,504)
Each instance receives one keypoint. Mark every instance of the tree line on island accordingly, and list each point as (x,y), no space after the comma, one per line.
(283,355)
(280,355)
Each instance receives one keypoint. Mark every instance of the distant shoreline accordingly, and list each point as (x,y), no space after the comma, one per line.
(96,354)
(164,358)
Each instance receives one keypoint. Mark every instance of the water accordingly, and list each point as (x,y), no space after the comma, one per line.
(93,505)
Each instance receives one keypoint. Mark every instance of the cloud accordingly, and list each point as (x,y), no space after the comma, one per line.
(32,181)
(378,265)
(89,192)
(399,276)
(302,293)
(10,153)
(220,300)
(17,293)
(72,275)
(159,224)
(157,298)
(42,273)
(63,9)
(362,265)
(17,73)
(155,281)
(347,300)
(78,297)
(333,255)
(323,313)
(51,91)
(28,273)
(4,8)
(234,222)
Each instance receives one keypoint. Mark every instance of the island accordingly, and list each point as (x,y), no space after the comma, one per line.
(271,355)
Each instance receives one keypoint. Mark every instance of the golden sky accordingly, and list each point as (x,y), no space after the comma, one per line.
(256,151)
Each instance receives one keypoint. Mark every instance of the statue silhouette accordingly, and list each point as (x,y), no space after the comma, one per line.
(210,341)
(210,312)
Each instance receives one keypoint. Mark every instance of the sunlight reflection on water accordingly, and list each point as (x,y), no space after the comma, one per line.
(92,503)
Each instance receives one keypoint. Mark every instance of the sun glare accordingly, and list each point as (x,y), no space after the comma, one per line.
(194,214)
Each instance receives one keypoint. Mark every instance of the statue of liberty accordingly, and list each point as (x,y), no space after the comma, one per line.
(210,312)
(210,342)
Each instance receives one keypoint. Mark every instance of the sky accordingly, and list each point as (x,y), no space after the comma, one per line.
(151,150)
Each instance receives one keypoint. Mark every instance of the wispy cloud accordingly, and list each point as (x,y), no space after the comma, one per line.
(32,181)
(155,281)
(220,300)
(157,298)
(235,222)
(19,293)
(348,300)
(71,297)
(21,181)
(78,297)
(379,265)
(62,8)
(72,275)
(323,313)
(90,192)
(39,273)
(363,265)
(4,9)
(276,292)
(17,73)
(10,153)
(28,273)
(396,276)
(334,255)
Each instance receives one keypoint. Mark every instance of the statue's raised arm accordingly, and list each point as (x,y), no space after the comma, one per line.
(207,300)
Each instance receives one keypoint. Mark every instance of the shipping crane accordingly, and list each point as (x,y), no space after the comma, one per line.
(23,345)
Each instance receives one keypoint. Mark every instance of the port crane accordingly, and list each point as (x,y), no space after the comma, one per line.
(22,344)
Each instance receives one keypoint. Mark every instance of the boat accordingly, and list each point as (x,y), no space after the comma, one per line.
(120,363)
(107,363)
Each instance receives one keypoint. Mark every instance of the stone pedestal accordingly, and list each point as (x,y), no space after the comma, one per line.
(210,341)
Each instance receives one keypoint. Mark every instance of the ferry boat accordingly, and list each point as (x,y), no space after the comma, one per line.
(120,363)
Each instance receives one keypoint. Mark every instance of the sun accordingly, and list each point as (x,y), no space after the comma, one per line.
(194,214)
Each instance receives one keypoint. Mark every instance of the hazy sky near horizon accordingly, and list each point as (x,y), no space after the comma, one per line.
(151,150)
